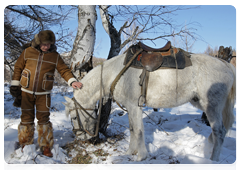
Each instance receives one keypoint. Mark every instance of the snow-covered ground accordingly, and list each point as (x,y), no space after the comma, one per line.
(172,136)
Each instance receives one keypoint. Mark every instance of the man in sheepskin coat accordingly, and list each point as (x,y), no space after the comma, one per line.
(33,81)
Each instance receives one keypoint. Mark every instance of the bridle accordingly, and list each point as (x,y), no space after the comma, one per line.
(78,106)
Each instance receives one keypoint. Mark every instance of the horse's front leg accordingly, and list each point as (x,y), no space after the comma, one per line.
(137,139)
(133,140)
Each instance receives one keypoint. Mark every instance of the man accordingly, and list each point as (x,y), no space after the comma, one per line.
(33,78)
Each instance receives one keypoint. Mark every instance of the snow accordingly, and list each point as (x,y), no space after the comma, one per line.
(172,136)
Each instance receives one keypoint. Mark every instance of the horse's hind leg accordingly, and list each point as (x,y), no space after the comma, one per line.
(212,101)
(214,115)
(218,138)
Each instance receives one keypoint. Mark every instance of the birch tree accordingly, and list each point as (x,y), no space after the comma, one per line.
(85,39)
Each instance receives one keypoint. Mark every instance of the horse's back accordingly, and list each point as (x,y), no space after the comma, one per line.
(173,87)
(213,69)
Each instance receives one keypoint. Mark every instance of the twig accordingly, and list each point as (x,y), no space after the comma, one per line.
(120,125)
(35,158)
(156,123)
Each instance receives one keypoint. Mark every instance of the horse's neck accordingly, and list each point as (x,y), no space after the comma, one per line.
(90,93)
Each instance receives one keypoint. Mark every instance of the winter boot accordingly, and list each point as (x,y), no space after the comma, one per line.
(26,134)
(45,138)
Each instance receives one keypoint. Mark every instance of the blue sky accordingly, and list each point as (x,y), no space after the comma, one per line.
(217,27)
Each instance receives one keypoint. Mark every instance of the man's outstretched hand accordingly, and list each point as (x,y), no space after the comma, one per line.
(77,85)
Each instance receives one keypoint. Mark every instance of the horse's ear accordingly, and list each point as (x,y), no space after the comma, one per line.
(69,100)
(65,104)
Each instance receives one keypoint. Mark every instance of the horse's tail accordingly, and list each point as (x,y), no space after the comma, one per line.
(228,116)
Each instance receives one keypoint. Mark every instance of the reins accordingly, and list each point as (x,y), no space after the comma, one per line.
(80,107)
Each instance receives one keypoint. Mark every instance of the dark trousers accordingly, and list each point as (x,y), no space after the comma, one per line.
(42,103)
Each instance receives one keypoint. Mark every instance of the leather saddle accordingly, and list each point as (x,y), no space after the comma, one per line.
(150,49)
(152,59)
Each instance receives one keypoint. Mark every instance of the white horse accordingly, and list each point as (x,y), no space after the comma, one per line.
(209,84)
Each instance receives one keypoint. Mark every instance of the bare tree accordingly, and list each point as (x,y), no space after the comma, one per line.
(188,41)
(22,22)
(210,51)
(83,46)
(157,20)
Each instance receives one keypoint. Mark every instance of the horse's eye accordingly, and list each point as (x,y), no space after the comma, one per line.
(74,118)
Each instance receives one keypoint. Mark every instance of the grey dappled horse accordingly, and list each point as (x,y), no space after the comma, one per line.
(209,84)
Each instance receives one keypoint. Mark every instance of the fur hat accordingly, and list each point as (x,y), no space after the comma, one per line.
(44,37)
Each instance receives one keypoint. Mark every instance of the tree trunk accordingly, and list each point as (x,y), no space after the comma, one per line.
(115,37)
(106,110)
(85,39)
(83,47)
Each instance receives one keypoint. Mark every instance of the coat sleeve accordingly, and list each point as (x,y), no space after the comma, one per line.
(18,68)
(64,71)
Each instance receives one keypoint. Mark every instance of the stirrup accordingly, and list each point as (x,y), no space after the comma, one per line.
(141,101)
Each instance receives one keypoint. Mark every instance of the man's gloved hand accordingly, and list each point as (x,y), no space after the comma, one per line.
(17,102)
(15,91)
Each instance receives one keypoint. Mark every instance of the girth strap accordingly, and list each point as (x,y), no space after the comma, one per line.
(144,77)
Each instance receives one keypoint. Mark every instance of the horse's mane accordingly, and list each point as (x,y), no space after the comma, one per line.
(96,70)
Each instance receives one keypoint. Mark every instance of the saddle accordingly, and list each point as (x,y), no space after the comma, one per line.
(150,59)
(150,49)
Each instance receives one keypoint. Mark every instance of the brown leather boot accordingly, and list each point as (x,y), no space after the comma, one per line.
(47,152)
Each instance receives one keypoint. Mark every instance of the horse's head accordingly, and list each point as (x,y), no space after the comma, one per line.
(80,120)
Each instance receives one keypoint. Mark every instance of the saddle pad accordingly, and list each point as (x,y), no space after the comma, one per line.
(183,59)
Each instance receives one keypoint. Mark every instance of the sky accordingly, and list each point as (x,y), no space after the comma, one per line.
(216,26)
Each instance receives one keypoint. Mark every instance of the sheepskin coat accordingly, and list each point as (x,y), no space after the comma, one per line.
(34,69)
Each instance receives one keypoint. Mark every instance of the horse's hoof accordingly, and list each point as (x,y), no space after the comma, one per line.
(130,152)
(141,158)
(214,158)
